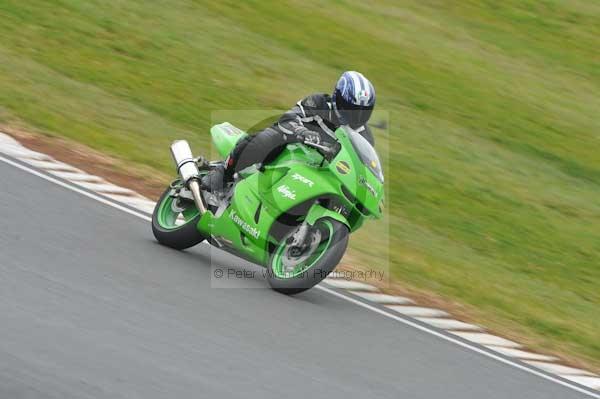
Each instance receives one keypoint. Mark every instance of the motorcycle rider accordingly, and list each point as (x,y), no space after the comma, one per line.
(314,119)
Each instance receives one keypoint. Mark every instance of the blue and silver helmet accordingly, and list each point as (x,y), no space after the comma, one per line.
(353,99)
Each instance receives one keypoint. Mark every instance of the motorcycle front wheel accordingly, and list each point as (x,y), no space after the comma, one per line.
(291,271)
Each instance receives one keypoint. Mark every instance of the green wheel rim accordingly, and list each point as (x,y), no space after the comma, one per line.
(277,262)
(168,219)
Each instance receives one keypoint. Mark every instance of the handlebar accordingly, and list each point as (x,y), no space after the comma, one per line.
(328,152)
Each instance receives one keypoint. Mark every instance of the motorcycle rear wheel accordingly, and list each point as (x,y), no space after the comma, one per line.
(174,222)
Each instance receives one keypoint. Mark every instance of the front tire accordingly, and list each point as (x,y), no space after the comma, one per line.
(333,241)
(174,224)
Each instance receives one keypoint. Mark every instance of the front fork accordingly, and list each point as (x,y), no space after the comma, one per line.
(316,212)
(298,239)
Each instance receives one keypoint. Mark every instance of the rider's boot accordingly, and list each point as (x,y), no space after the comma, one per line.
(215,180)
(218,177)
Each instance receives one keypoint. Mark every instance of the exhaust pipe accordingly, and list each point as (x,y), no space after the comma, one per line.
(187,169)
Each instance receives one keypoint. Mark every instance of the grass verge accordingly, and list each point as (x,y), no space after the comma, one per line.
(492,153)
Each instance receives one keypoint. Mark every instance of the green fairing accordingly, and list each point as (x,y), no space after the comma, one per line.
(225,136)
(317,212)
(298,176)
(358,171)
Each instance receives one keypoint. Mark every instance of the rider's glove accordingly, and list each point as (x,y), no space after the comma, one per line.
(303,135)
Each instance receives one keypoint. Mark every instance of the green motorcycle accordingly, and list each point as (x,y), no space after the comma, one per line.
(293,215)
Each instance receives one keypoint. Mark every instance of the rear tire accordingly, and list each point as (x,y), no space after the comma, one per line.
(176,237)
(337,242)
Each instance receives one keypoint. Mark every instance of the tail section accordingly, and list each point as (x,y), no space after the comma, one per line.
(225,136)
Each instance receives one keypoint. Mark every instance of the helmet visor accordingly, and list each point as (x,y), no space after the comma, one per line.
(353,115)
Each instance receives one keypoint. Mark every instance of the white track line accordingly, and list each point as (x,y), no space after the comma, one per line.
(330,291)
(560,369)
(73,188)
(458,342)
(593,382)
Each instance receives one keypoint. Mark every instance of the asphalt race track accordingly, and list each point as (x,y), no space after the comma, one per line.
(92,307)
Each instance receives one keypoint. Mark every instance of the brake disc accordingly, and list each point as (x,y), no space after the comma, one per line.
(290,262)
(176,206)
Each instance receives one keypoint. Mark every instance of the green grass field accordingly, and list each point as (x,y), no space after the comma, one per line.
(493,151)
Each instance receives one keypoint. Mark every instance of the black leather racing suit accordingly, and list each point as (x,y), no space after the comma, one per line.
(314,113)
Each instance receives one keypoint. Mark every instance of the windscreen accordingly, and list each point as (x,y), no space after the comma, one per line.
(366,153)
